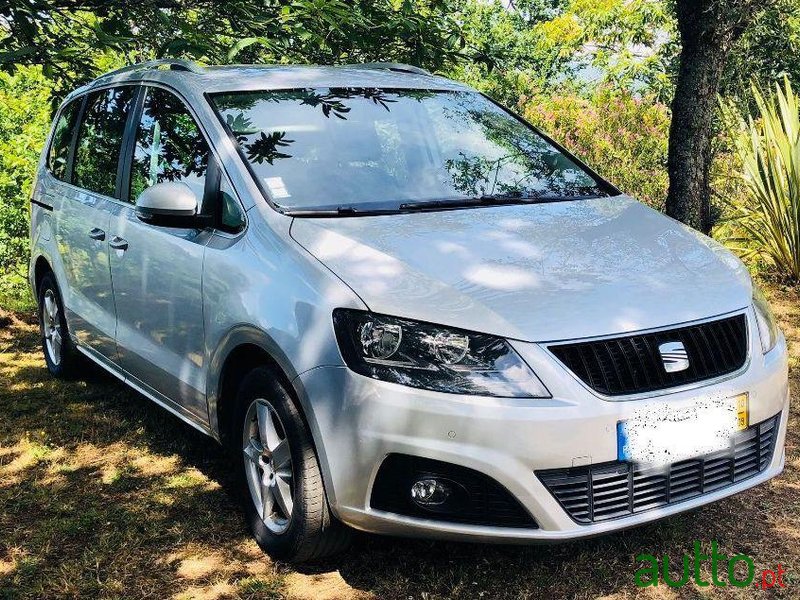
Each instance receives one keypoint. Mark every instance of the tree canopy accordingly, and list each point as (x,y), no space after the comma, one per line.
(507,46)
(74,39)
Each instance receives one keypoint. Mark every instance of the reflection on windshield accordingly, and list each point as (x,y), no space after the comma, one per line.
(363,147)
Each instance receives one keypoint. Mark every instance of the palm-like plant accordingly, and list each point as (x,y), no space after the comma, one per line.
(770,153)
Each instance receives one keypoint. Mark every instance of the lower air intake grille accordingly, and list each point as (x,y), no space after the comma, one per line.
(619,489)
(633,364)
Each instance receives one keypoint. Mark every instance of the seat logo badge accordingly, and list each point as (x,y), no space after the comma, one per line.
(674,356)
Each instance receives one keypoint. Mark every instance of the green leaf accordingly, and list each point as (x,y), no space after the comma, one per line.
(244,43)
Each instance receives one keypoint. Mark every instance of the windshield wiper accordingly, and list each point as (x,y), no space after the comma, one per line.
(340,211)
(484,200)
(438,204)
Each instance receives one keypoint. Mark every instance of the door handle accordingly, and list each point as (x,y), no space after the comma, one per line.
(118,243)
(97,234)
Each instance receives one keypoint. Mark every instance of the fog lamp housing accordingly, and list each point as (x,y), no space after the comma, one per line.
(431,489)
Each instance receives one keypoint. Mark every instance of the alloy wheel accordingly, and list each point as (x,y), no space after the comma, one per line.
(51,325)
(268,465)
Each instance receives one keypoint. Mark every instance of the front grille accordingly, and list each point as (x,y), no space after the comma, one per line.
(633,364)
(619,489)
(477,499)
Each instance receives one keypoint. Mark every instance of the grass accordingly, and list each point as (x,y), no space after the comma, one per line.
(104,495)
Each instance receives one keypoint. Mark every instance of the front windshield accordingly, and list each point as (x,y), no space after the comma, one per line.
(364,148)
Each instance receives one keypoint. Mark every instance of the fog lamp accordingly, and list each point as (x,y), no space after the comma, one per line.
(429,492)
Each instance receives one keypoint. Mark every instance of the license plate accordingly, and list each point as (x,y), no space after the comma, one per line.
(663,434)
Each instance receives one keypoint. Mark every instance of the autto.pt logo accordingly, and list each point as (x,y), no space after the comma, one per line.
(737,571)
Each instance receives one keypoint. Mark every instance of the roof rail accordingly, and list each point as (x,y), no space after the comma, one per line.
(175,64)
(388,66)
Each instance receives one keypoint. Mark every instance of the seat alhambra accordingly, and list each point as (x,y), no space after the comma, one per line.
(399,306)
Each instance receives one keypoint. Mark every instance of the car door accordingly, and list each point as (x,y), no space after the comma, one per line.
(157,271)
(83,214)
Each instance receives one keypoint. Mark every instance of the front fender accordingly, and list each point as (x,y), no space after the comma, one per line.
(236,337)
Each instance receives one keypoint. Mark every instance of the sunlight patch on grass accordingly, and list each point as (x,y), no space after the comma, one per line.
(93,455)
(788,532)
(215,591)
(213,573)
(27,453)
(7,566)
(783,483)
(16,364)
(111,474)
(320,586)
(195,560)
(163,498)
(200,566)
(186,479)
(152,465)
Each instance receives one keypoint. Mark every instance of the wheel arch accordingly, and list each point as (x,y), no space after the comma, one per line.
(242,350)
(41,267)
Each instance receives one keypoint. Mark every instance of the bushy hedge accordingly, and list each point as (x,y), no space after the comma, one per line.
(621,136)
(24,122)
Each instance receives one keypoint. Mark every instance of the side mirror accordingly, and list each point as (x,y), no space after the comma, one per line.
(169,204)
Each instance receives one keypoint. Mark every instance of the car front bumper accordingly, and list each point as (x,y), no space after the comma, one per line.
(358,421)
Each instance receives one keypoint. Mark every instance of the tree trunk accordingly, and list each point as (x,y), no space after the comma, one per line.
(708,30)
(690,133)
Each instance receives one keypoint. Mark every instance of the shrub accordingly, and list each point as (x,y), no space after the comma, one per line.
(24,121)
(621,136)
(769,214)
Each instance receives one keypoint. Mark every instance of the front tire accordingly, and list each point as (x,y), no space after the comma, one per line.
(284,496)
(60,353)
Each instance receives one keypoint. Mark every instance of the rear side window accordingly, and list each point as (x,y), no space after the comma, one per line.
(62,139)
(169,146)
(100,139)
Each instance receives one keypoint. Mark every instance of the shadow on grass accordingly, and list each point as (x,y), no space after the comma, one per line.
(104,494)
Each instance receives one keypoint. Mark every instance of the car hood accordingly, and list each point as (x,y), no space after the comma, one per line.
(537,272)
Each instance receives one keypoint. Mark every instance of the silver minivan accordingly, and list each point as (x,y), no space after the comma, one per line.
(400,307)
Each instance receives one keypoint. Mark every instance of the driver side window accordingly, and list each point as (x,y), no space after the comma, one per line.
(169,146)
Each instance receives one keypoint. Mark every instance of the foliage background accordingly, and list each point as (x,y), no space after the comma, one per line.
(622,136)
(24,120)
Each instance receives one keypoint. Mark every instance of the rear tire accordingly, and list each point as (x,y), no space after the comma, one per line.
(60,354)
(284,497)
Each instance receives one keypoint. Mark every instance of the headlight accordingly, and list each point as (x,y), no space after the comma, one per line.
(767,328)
(433,357)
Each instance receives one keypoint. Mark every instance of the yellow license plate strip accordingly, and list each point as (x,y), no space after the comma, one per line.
(742,402)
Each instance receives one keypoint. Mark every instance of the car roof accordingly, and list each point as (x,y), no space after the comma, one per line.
(230,78)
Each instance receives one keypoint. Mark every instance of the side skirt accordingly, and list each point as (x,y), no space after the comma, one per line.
(134,383)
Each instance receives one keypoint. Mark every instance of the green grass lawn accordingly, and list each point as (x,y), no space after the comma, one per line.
(105,495)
